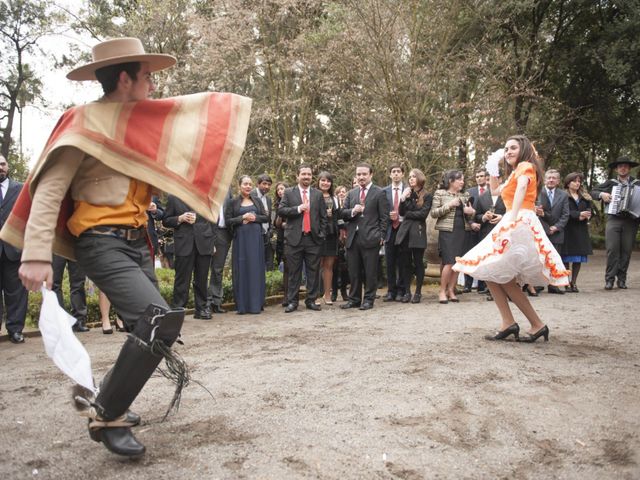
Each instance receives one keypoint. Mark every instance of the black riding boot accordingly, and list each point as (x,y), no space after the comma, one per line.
(141,353)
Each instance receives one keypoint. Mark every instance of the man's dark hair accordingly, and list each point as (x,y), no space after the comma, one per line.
(264,178)
(365,165)
(304,165)
(396,165)
(108,76)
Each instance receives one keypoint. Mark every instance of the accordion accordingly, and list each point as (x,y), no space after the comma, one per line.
(625,200)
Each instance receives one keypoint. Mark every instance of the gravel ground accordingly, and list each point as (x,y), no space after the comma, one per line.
(400,392)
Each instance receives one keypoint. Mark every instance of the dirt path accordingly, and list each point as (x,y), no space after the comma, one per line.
(402,392)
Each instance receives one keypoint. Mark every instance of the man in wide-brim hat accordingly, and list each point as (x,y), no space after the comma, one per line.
(621,229)
(108,225)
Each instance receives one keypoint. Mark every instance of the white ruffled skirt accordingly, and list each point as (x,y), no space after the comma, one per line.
(515,249)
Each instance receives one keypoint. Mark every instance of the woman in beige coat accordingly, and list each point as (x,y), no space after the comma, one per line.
(452,208)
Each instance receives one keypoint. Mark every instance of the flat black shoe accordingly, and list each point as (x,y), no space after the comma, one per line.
(313,306)
(608,285)
(334,297)
(622,284)
(366,306)
(119,440)
(16,337)
(218,309)
(574,289)
(466,290)
(484,291)
(399,297)
(406,298)
(291,308)
(416,298)
(389,297)
(555,290)
(203,315)
(350,305)
(107,331)
(503,334)
(530,338)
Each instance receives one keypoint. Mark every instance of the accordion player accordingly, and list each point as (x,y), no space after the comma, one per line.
(625,200)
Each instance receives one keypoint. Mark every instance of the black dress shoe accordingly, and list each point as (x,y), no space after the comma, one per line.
(389,297)
(219,309)
(399,297)
(622,284)
(416,298)
(292,307)
(466,290)
(555,290)
(107,331)
(608,285)
(502,334)
(350,305)
(483,291)
(366,306)
(79,327)
(16,337)
(203,315)
(313,306)
(530,338)
(406,298)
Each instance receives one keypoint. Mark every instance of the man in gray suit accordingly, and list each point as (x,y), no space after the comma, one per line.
(366,213)
(553,210)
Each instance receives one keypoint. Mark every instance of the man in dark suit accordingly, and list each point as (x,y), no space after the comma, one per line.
(553,210)
(155,212)
(193,241)
(14,295)
(306,216)
(223,239)
(473,236)
(261,191)
(366,212)
(77,292)
(395,285)
(489,211)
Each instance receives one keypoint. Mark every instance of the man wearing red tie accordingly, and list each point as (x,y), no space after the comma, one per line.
(306,225)
(366,213)
(396,289)
(474,236)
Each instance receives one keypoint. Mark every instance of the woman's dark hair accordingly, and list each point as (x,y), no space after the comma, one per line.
(528,153)
(449,176)
(581,191)
(329,177)
(108,76)
(242,177)
(276,198)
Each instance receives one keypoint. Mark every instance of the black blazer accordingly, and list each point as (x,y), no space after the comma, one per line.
(482,205)
(576,234)
(371,225)
(288,209)
(414,223)
(556,215)
(151,224)
(12,253)
(254,194)
(233,218)
(185,235)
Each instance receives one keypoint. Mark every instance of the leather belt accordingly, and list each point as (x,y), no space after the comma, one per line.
(129,234)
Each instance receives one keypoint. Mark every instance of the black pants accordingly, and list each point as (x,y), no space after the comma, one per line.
(195,265)
(413,264)
(77,291)
(222,244)
(363,269)
(123,271)
(395,278)
(309,253)
(14,296)
(620,234)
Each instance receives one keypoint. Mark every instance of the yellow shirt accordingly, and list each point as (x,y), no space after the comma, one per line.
(132,213)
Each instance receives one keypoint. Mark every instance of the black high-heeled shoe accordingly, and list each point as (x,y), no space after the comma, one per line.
(532,337)
(502,334)
(107,331)
(120,328)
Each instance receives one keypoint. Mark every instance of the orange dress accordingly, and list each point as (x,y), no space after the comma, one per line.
(516,248)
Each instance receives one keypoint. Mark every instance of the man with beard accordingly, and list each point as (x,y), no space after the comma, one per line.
(14,294)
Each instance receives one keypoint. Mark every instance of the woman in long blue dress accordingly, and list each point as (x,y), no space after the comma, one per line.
(245,217)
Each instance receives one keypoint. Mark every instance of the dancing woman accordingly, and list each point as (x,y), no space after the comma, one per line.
(517,250)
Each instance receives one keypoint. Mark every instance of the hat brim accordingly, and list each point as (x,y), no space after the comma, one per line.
(157,62)
(630,163)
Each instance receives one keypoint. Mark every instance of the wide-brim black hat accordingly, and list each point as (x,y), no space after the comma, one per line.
(623,160)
